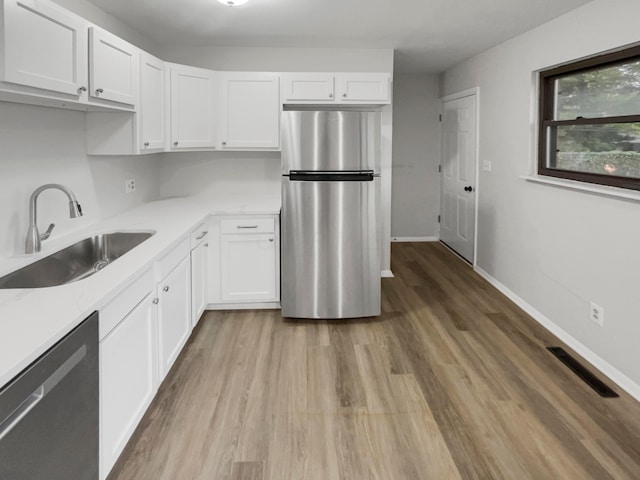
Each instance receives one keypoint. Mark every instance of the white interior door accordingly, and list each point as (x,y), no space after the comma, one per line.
(458,180)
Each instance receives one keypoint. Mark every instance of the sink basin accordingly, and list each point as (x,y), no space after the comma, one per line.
(77,261)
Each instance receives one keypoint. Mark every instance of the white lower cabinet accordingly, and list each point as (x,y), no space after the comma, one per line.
(248,267)
(174,314)
(142,331)
(244,261)
(128,367)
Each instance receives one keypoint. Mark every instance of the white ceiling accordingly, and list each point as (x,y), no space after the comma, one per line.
(428,35)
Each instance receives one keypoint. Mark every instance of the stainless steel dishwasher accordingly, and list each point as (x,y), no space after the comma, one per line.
(49,412)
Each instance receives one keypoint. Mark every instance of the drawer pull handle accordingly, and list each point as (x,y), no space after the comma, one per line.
(156,301)
(201,236)
(247,226)
(166,288)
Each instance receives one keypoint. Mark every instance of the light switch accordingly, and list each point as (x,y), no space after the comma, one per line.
(486,165)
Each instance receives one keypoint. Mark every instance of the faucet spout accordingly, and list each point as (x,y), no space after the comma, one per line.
(34,239)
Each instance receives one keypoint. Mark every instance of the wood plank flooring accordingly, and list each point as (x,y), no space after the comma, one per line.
(452,381)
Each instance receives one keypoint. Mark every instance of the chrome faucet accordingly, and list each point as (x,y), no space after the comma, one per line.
(33,243)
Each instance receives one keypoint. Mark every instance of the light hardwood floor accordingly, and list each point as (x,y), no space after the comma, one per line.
(452,381)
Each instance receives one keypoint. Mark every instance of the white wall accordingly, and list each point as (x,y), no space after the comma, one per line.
(283,60)
(415,201)
(220,174)
(557,249)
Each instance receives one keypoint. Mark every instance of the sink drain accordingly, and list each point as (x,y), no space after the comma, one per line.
(99,265)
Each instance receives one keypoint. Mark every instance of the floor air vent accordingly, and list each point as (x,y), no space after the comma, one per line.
(580,370)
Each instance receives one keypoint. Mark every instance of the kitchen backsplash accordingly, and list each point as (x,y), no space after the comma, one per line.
(41,145)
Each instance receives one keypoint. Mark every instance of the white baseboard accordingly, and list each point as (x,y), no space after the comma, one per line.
(624,382)
(387,274)
(414,239)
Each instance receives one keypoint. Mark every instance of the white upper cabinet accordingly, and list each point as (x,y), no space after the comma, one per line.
(193,97)
(152,114)
(249,110)
(44,47)
(309,87)
(363,88)
(336,88)
(50,56)
(113,68)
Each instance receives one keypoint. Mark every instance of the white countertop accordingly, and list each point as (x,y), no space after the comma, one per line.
(32,320)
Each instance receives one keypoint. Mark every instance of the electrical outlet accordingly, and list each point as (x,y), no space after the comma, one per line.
(129,185)
(596,313)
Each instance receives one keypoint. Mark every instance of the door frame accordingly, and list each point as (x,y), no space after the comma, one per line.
(470,92)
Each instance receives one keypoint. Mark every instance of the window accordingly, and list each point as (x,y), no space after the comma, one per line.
(589,122)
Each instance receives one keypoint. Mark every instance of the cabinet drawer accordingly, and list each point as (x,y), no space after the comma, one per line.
(248,225)
(125,302)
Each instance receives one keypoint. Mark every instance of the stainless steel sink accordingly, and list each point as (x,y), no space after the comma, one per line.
(77,261)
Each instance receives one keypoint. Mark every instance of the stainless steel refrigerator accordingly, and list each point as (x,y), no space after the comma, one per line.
(331,169)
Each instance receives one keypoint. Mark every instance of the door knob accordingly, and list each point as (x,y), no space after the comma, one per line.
(468,188)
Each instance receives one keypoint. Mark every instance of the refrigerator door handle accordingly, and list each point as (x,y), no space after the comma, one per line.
(319,176)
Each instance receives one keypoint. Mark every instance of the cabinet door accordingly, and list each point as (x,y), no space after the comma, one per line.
(128,379)
(198,281)
(44,47)
(249,110)
(248,267)
(193,92)
(113,67)
(309,87)
(152,103)
(174,314)
(363,87)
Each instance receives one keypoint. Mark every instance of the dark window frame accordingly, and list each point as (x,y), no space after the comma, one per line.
(546,99)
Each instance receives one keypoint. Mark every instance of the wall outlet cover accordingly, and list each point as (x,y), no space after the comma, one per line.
(129,185)
(596,313)
(486,165)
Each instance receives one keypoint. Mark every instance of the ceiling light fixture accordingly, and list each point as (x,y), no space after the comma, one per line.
(233,3)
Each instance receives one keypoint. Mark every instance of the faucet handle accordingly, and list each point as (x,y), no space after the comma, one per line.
(47,234)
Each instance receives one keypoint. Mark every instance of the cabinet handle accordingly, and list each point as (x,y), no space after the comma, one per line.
(146,144)
(175,144)
(224,143)
(246,226)
(82,89)
(201,236)
(331,95)
(271,239)
(156,301)
(166,288)
(99,91)
(344,95)
(206,244)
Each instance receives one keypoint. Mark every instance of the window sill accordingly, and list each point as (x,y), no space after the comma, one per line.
(613,192)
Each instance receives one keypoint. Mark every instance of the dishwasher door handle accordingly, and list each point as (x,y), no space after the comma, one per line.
(32,400)
(19,413)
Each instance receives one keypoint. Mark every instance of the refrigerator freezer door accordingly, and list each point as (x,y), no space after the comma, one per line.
(330,265)
(330,140)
